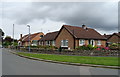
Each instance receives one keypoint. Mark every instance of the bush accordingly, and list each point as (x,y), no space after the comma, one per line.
(47,47)
(114,46)
(7,43)
(102,48)
(90,47)
(33,46)
(84,47)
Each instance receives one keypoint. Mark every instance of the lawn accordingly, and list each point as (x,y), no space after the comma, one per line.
(109,61)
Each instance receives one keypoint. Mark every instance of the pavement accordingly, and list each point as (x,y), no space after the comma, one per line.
(15,65)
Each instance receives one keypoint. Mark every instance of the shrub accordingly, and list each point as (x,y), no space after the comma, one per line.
(81,48)
(95,47)
(90,47)
(106,48)
(52,47)
(114,46)
(98,49)
(33,46)
(47,47)
(102,48)
(86,47)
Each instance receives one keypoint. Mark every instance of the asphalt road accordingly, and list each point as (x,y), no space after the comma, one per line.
(15,65)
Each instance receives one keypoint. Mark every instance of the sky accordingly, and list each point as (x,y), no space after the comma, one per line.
(50,16)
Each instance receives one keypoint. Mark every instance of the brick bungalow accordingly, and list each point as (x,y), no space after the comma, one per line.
(49,39)
(114,38)
(71,37)
(34,38)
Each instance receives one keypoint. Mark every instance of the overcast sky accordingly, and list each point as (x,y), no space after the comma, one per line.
(50,16)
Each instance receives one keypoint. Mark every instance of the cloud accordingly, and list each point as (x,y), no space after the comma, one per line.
(99,15)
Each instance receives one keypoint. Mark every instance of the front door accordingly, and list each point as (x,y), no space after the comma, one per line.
(92,42)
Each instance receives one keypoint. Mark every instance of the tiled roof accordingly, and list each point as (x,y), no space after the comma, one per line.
(107,36)
(26,37)
(118,34)
(49,36)
(79,32)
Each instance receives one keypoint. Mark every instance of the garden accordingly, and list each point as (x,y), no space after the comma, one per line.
(86,54)
(85,50)
(108,61)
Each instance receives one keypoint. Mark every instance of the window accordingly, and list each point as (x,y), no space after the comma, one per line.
(47,42)
(53,43)
(41,36)
(81,42)
(34,43)
(98,42)
(41,43)
(64,43)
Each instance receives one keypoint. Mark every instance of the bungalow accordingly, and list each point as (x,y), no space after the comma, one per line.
(114,38)
(71,37)
(49,39)
(34,38)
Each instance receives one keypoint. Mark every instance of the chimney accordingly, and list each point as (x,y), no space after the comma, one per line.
(20,35)
(84,26)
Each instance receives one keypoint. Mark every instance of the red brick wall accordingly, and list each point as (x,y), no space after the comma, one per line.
(65,35)
(103,42)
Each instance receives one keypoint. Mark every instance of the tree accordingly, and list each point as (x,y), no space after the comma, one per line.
(7,41)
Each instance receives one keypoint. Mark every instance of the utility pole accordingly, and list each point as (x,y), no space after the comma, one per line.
(13,34)
(29,36)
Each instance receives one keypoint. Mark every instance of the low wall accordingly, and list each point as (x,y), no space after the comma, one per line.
(75,52)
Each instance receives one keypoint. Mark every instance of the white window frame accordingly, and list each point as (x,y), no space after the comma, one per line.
(42,43)
(64,43)
(47,42)
(53,42)
(98,42)
(81,42)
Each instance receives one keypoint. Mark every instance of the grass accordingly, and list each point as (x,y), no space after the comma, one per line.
(108,61)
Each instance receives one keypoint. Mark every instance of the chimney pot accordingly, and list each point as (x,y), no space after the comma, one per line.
(84,26)
(20,35)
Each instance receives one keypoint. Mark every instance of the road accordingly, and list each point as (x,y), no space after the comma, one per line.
(15,65)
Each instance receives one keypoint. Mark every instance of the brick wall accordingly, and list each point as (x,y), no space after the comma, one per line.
(103,42)
(65,35)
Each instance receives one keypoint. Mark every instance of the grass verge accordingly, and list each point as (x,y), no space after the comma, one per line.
(108,61)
